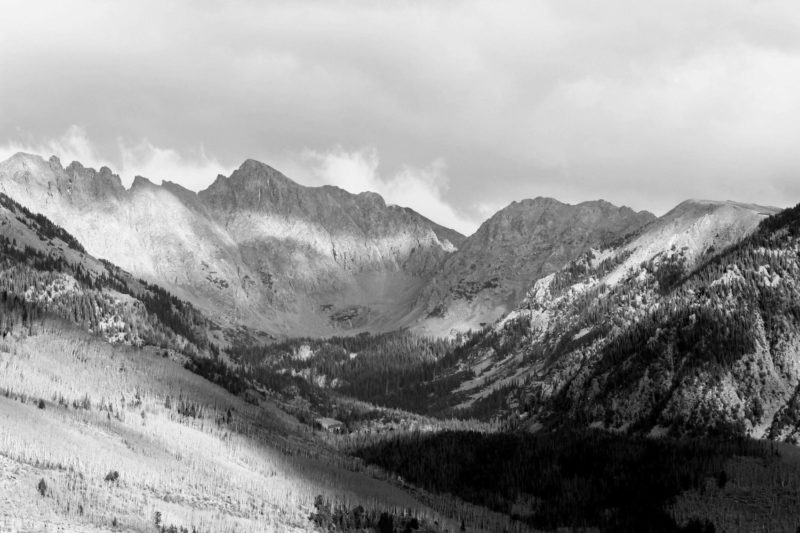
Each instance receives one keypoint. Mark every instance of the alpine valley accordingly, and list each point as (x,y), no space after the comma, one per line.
(266,356)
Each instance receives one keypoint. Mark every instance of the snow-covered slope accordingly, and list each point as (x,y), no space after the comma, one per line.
(45,271)
(693,228)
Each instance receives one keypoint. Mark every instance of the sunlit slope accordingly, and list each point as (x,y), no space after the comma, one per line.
(74,409)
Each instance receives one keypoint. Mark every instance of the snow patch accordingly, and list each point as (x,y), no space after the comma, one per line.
(582,333)
(303,353)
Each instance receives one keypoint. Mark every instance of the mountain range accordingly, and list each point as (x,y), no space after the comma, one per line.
(260,318)
(259,250)
(549,289)
(688,325)
(254,249)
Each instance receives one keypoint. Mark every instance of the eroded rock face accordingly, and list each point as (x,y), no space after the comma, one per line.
(492,269)
(255,248)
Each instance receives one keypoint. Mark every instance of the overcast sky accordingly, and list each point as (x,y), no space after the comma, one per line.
(453,108)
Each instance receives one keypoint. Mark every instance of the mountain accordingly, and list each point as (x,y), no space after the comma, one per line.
(718,349)
(254,249)
(47,280)
(258,250)
(122,405)
(687,324)
(107,422)
(489,273)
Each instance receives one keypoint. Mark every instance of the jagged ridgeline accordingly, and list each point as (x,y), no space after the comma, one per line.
(258,249)
(491,270)
(254,249)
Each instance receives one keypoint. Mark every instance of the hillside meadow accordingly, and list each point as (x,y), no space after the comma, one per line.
(96,437)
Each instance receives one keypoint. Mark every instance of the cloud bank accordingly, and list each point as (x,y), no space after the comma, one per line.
(423,188)
(639,103)
(355,171)
(128,160)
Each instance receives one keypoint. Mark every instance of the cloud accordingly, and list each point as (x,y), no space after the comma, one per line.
(423,189)
(73,145)
(128,160)
(193,171)
(643,103)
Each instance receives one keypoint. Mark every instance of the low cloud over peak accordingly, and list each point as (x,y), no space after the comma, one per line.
(356,171)
(476,102)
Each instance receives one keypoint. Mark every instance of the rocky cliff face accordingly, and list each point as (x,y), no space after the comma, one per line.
(492,269)
(255,248)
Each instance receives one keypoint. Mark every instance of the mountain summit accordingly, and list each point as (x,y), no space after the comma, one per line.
(260,250)
(491,270)
(254,248)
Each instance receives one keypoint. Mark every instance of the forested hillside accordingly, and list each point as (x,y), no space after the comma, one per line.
(44,272)
(386,369)
(576,478)
(103,425)
(719,348)
(678,342)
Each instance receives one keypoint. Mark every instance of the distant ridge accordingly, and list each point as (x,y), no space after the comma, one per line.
(528,239)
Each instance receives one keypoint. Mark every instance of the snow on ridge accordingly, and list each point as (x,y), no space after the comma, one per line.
(692,234)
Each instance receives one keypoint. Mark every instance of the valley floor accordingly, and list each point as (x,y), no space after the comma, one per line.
(758,495)
(95,437)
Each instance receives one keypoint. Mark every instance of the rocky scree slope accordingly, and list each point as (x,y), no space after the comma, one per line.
(254,248)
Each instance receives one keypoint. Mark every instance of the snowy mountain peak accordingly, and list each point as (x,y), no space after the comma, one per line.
(23,162)
(141,181)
